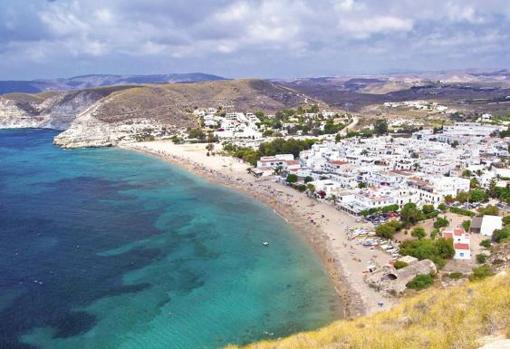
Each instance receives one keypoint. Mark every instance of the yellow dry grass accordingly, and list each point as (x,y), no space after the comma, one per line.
(455,317)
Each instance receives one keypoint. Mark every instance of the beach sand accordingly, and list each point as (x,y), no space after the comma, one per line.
(322,225)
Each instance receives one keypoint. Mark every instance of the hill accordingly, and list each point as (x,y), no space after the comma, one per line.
(107,115)
(458,317)
(100,80)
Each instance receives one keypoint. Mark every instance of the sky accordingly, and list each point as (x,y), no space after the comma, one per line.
(250,38)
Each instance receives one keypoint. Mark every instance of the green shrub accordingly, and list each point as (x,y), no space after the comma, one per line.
(410,214)
(441,222)
(400,264)
(506,220)
(466,225)
(420,282)
(461,211)
(500,235)
(442,207)
(481,258)
(300,187)
(388,229)
(481,272)
(418,233)
(292,178)
(455,275)
(486,243)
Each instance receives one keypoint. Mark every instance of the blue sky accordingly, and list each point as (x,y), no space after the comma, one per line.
(243,38)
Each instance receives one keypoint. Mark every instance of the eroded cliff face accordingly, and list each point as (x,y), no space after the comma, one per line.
(88,131)
(108,116)
(47,110)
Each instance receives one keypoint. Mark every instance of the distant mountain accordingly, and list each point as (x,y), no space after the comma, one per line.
(99,80)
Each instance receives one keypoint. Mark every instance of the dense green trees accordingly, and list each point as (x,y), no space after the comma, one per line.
(500,235)
(292,178)
(380,127)
(441,222)
(418,233)
(410,214)
(388,229)
(283,146)
(436,250)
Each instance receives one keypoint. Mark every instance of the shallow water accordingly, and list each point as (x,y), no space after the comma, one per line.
(105,248)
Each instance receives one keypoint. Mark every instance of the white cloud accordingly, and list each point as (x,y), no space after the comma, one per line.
(300,33)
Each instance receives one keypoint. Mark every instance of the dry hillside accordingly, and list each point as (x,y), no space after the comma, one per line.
(175,102)
(459,317)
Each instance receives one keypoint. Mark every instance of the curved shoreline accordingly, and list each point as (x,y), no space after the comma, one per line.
(320,224)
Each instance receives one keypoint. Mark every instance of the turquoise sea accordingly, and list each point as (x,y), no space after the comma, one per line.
(105,248)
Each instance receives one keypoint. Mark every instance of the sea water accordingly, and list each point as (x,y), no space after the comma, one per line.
(106,248)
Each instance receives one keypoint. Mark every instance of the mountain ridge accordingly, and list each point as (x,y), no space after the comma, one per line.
(100,80)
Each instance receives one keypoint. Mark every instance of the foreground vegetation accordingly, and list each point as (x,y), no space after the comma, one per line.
(455,317)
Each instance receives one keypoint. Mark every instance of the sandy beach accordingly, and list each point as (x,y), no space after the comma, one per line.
(322,225)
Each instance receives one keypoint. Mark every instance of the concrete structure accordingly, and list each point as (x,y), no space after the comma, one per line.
(393,281)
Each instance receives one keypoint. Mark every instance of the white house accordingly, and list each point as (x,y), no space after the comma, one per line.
(461,242)
(279,160)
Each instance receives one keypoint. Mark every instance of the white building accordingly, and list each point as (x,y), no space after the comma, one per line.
(461,242)
(489,224)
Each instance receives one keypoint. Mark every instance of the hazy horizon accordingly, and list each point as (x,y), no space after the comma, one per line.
(252,38)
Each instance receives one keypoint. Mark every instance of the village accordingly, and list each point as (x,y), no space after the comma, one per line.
(409,191)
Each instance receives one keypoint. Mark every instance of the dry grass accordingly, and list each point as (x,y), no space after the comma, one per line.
(443,318)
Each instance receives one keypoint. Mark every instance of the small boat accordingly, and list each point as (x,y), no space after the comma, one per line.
(265,243)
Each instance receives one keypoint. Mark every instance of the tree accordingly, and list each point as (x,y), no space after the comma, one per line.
(489,210)
(308,179)
(418,233)
(409,214)
(196,133)
(442,207)
(380,127)
(441,222)
(455,144)
(436,250)
(500,235)
(462,197)
(449,199)
(466,225)
(477,195)
(473,183)
(506,220)
(310,187)
(388,229)
(292,178)
(466,173)
(427,209)
(362,185)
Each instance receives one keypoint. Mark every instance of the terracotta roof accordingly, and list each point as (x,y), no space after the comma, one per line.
(459,246)
(447,235)
(458,231)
